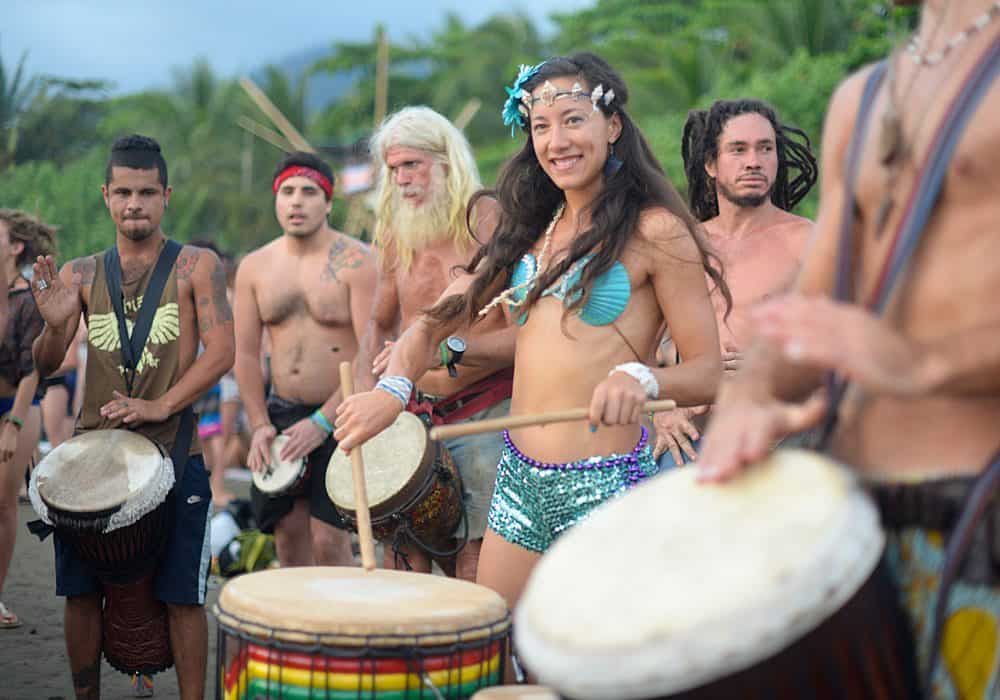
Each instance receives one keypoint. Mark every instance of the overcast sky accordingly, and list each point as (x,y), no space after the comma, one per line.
(135,44)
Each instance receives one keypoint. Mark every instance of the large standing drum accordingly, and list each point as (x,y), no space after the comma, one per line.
(336,633)
(770,586)
(413,485)
(105,492)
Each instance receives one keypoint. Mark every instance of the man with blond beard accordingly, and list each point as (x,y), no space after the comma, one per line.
(426,177)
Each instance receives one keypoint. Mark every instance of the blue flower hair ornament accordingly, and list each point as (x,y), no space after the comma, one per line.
(514,112)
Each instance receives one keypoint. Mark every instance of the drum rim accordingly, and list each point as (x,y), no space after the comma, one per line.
(560,666)
(397,501)
(265,487)
(242,608)
(161,483)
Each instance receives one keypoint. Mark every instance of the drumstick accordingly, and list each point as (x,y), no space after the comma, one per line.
(495,425)
(365,538)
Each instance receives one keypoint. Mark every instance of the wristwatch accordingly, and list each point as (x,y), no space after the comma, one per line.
(456,348)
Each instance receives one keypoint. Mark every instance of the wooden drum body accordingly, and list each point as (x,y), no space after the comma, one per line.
(412,483)
(106,493)
(771,586)
(341,633)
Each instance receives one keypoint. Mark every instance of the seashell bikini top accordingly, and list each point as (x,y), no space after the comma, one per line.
(608,297)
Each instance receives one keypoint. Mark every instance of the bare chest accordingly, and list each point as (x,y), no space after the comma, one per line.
(302,292)
(953,267)
(428,276)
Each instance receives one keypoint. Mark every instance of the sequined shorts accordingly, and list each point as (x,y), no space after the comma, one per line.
(534,502)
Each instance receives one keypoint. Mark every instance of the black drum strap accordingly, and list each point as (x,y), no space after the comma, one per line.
(132,346)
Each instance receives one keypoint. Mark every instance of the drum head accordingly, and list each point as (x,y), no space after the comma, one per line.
(350,607)
(281,474)
(678,583)
(391,459)
(97,471)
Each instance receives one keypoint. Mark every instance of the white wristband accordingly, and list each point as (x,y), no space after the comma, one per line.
(642,374)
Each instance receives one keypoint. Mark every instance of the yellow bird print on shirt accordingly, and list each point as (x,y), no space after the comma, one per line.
(102,330)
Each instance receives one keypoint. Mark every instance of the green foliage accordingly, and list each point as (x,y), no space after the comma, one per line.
(677,55)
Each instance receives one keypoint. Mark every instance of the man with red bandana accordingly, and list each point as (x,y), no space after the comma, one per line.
(311,290)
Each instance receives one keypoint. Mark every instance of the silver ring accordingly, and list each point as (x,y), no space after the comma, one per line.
(42,285)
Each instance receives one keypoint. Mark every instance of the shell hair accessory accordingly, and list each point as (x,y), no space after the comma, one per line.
(519,101)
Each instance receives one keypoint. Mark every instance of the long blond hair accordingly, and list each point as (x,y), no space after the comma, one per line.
(424,129)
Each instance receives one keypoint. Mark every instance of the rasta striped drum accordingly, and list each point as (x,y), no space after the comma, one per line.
(337,633)
(770,586)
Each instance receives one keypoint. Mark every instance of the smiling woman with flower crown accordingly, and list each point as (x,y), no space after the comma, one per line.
(593,252)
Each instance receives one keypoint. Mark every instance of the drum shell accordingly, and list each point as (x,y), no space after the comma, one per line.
(124,554)
(429,505)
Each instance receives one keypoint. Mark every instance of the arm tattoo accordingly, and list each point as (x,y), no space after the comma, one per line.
(342,256)
(83,270)
(187,261)
(223,312)
(87,682)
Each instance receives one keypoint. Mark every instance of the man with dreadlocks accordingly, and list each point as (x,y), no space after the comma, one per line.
(426,177)
(592,252)
(892,313)
(745,171)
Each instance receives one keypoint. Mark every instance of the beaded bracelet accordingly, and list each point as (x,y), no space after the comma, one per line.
(398,386)
(13,420)
(321,420)
(642,374)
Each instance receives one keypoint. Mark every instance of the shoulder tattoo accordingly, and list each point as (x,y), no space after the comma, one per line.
(83,270)
(342,256)
(187,261)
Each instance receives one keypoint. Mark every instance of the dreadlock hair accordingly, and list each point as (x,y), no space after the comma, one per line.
(528,199)
(139,153)
(700,145)
(38,238)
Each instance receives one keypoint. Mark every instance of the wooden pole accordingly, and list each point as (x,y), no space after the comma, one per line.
(262,132)
(495,425)
(365,537)
(275,115)
(381,74)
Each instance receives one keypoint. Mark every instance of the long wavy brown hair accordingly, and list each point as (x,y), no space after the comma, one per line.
(528,199)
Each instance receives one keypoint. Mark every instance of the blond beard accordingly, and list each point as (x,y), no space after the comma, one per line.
(414,227)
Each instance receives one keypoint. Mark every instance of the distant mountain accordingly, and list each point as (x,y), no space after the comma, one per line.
(323,88)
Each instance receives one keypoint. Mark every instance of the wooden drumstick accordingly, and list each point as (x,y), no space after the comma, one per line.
(365,537)
(495,425)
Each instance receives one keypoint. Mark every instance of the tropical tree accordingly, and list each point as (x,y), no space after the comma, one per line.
(16,92)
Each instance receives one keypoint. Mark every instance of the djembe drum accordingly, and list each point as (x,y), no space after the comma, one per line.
(106,493)
(281,475)
(336,633)
(771,586)
(413,485)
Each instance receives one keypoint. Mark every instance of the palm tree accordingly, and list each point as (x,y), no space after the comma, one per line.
(16,93)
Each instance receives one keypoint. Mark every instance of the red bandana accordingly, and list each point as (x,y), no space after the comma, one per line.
(302,171)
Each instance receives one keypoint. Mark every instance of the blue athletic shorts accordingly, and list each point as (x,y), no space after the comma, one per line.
(182,575)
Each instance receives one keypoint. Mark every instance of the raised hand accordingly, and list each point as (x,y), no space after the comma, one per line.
(56,302)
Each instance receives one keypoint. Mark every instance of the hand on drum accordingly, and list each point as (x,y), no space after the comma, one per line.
(364,415)
(303,437)
(822,333)
(8,441)
(56,303)
(675,432)
(132,411)
(618,400)
(259,454)
(745,427)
